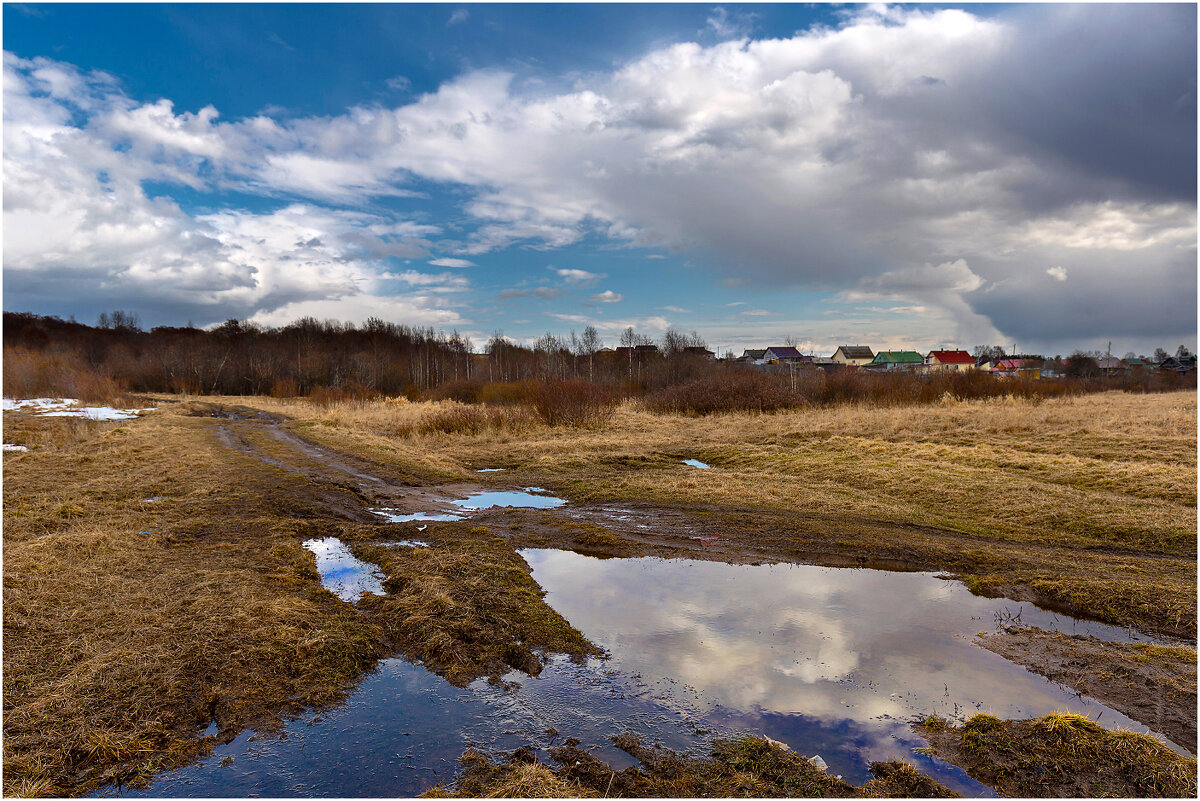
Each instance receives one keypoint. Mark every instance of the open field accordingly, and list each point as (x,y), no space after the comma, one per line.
(155,580)
(1088,503)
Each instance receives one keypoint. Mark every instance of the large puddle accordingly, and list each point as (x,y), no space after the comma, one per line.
(831,661)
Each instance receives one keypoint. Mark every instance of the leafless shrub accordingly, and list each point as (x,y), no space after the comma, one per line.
(574,402)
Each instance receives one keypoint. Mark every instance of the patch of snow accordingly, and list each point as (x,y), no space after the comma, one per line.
(39,403)
(104,413)
(69,407)
(8,446)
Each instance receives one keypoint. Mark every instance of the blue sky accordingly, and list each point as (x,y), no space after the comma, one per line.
(897,176)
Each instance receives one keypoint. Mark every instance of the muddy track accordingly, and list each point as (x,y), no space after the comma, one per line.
(698,531)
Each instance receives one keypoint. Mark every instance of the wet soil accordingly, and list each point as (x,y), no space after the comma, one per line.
(724,533)
(751,767)
(1154,685)
(1061,756)
(349,487)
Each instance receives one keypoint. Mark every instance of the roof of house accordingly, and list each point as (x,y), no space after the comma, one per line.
(1109,363)
(952,356)
(856,352)
(784,351)
(1134,362)
(698,349)
(898,357)
(754,354)
(1017,364)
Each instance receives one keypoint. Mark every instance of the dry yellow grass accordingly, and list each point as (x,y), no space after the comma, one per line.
(130,624)
(1090,501)
(1062,755)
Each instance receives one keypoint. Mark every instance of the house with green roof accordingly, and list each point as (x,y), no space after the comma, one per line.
(896,360)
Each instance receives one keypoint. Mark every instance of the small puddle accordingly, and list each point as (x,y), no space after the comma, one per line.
(406,544)
(696,463)
(394,517)
(491,470)
(490,500)
(343,574)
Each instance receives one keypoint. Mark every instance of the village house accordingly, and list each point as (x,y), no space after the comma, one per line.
(784,354)
(1025,368)
(948,361)
(856,355)
(1178,364)
(697,350)
(1110,365)
(753,356)
(896,360)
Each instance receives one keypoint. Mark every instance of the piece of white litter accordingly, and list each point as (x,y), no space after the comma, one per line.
(11,447)
(818,762)
(778,744)
(696,463)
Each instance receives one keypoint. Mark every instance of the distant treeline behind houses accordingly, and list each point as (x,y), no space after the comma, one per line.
(329,361)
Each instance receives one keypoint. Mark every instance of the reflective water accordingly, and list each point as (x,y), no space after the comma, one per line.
(696,463)
(830,661)
(346,576)
(799,651)
(491,470)
(488,500)
(406,544)
(393,517)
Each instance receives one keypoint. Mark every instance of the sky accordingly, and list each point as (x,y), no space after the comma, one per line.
(897,176)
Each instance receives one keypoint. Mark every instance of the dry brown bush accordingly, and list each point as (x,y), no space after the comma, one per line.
(30,373)
(507,393)
(574,403)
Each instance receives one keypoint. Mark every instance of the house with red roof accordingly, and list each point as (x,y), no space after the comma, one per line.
(947,361)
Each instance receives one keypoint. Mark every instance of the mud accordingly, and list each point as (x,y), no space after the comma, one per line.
(349,487)
(1151,685)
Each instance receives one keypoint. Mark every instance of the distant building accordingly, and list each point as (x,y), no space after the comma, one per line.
(1025,368)
(896,360)
(783,354)
(857,355)
(696,350)
(755,356)
(947,361)
(1178,364)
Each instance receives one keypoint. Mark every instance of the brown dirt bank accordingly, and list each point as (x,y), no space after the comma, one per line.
(751,767)
(1153,684)
(1060,756)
